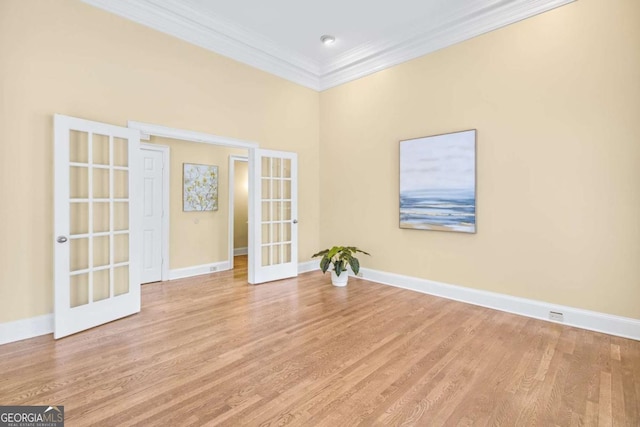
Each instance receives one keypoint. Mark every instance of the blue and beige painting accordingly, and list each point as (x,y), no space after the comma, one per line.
(438,182)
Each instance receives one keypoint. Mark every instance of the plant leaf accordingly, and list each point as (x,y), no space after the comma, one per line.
(333,251)
(355,264)
(324,264)
(338,267)
(321,253)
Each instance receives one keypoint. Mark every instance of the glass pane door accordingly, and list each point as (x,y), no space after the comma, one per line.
(95,280)
(275,229)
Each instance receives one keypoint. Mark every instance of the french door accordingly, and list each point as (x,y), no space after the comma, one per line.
(96,246)
(273,234)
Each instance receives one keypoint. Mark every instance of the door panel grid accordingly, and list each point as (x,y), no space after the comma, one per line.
(276,211)
(95,187)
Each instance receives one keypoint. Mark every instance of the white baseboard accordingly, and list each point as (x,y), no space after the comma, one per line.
(23,329)
(305,267)
(585,319)
(35,326)
(240,251)
(197,270)
(600,322)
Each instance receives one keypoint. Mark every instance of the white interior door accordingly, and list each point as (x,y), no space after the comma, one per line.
(152,212)
(96,249)
(273,234)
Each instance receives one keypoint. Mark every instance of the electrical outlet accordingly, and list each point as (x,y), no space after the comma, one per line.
(557,316)
(212,269)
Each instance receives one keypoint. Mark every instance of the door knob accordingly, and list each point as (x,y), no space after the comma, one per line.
(61,239)
(295,221)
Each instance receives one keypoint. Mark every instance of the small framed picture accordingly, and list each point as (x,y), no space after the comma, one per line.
(200,188)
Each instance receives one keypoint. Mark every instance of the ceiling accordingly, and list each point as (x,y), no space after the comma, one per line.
(282,37)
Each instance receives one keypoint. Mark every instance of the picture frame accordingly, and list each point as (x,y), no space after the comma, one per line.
(200,187)
(438,182)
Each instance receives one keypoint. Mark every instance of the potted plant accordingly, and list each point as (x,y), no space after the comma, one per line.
(340,257)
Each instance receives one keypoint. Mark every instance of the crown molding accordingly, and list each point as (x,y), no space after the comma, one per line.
(216,35)
(238,43)
(373,57)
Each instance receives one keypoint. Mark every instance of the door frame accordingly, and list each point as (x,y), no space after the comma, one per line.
(166,194)
(232,177)
(148,129)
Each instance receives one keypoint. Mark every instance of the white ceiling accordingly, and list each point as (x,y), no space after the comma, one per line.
(283,36)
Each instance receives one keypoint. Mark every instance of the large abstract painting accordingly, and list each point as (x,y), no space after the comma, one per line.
(200,191)
(438,182)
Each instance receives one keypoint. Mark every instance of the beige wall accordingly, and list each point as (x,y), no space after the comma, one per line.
(70,58)
(197,237)
(556,102)
(241,206)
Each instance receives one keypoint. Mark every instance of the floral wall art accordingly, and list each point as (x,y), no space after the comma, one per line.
(200,188)
(438,182)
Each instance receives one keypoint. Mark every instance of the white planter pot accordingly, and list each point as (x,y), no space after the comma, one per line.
(340,280)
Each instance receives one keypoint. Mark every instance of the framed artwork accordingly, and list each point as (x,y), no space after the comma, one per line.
(200,187)
(438,182)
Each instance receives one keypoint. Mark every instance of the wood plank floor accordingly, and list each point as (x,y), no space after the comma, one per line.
(215,351)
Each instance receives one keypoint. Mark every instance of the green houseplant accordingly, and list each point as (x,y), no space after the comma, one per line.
(339,257)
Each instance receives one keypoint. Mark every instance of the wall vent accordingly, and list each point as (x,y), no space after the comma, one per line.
(557,316)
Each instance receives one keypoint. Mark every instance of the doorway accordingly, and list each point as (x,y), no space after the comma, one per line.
(273,234)
(238,209)
(197,198)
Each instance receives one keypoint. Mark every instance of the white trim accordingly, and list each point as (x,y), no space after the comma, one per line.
(236,42)
(217,35)
(166,222)
(253,242)
(459,26)
(232,177)
(600,322)
(306,266)
(197,270)
(585,319)
(23,329)
(240,251)
(189,135)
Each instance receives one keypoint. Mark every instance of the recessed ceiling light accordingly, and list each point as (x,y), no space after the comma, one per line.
(327,39)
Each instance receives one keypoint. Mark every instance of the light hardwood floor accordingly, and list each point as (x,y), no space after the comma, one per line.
(215,351)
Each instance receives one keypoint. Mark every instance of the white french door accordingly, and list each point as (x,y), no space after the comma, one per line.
(96,247)
(273,233)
